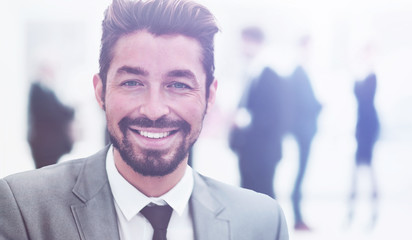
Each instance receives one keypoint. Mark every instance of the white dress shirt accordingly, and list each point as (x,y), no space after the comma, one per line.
(129,201)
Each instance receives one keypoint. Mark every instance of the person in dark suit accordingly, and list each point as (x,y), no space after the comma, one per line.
(156,83)
(257,132)
(300,112)
(50,121)
(303,110)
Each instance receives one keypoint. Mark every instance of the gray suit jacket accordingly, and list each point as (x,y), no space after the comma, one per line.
(73,200)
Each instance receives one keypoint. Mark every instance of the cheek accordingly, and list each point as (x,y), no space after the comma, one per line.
(191,111)
(117,106)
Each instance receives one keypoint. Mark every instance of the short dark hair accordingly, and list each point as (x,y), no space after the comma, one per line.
(159,17)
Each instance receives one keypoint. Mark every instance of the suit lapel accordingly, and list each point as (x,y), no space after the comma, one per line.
(96,216)
(208,213)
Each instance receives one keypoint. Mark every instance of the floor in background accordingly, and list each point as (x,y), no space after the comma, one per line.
(325,205)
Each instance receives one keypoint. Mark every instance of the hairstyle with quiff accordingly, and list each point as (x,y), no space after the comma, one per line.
(158,17)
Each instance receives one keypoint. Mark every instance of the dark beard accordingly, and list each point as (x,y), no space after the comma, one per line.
(150,162)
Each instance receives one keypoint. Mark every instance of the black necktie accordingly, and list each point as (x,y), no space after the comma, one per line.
(159,217)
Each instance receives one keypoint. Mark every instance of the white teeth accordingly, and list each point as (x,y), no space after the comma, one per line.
(154,135)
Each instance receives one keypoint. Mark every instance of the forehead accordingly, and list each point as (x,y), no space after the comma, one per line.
(158,53)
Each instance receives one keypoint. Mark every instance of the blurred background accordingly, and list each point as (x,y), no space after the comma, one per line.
(59,40)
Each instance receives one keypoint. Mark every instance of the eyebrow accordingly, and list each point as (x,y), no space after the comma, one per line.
(133,70)
(182,73)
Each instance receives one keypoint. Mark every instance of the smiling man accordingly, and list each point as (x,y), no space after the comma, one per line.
(156,83)
(162,80)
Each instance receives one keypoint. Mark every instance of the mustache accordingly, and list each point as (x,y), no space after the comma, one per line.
(162,122)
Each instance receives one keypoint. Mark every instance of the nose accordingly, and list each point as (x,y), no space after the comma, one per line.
(154,105)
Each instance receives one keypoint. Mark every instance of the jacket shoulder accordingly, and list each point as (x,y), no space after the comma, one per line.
(255,213)
(239,197)
(46,176)
(56,177)
(24,197)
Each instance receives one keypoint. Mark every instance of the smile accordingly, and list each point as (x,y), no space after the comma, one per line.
(154,135)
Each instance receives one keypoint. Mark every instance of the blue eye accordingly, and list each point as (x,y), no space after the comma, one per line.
(131,83)
(179,85)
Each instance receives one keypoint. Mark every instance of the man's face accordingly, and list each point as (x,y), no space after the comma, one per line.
(155,100)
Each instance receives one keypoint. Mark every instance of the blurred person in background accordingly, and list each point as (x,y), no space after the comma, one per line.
(50,122)
(301,113)
(367,133)
(257,131)
(155,85)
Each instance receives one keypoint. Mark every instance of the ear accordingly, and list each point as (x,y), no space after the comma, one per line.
(212,95)
(98,90)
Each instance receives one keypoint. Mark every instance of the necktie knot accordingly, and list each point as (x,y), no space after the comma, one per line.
(159,217)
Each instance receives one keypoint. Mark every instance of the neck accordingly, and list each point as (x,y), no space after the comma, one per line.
(148,185)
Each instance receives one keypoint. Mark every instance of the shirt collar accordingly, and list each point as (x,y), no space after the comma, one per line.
(130,200)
